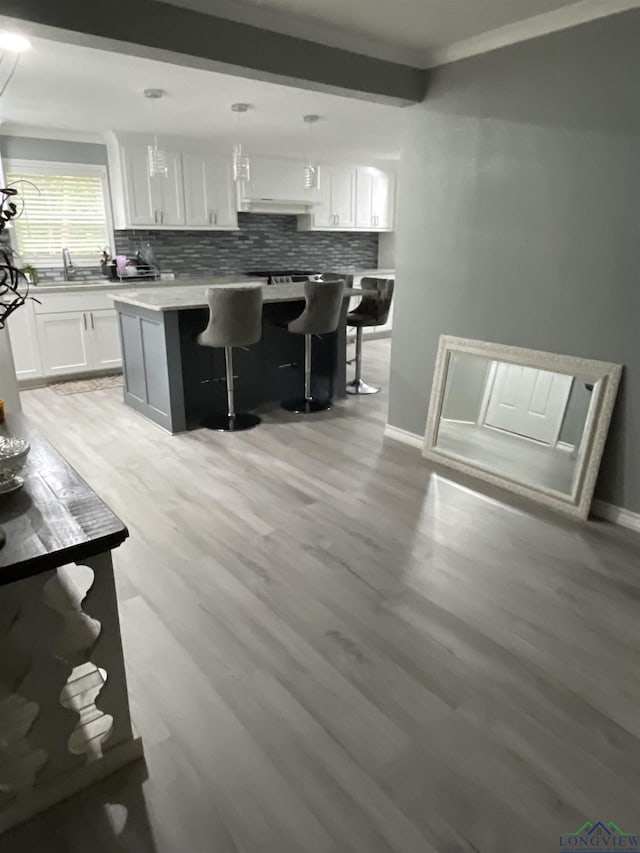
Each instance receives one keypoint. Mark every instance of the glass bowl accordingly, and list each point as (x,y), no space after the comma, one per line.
(13,455)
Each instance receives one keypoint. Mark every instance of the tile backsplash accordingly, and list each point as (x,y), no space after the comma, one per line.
(264,241)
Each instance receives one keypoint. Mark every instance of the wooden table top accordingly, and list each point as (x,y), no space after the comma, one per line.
(55,518)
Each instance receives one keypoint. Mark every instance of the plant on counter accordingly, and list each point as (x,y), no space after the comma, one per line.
(14,283)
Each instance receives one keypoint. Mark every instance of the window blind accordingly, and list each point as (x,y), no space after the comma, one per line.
(60,211)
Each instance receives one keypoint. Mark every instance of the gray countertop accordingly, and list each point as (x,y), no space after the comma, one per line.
(182,297)
(199,281)
(109,285)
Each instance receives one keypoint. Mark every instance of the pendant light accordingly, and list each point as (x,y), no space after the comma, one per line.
(156,156)
(241,162)
(312,167)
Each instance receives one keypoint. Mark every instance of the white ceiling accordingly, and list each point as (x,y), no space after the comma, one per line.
(419,32)
(81,92)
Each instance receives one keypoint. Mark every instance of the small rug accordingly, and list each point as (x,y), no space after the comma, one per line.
(81,386)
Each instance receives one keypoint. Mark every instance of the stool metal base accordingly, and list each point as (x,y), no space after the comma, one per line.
(231,423)
(307,407)
(360,387)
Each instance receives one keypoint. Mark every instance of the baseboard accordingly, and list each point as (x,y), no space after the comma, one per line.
(617,514)
(402,435)
(600,509)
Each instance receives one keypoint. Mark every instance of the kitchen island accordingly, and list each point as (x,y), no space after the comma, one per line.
(175,382)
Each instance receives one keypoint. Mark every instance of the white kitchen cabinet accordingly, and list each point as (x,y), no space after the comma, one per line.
(142,197)
(77,333)
(157,200)
(374,198)
(208,191)
(24,343)
(353,199)
(276,182)
(79,341)
(337,208)
(105,339)
(65,344)
(343,198)
(196,193)
(171,192)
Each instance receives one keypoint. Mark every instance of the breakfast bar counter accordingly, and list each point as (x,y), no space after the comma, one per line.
(175,382)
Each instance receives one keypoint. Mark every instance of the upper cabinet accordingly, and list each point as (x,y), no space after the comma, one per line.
(374,198)
(208,191)
(152,201)
(196,192)
(353,199)
(276,184)
(338,191)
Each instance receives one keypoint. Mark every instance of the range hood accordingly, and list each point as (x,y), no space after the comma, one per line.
(276,186)
(271,205)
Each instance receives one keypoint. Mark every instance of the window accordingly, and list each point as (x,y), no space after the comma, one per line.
(63,205)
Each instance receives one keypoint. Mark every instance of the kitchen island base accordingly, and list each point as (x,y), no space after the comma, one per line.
(179,385)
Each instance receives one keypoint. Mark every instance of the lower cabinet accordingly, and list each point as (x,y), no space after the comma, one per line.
(65,344)
(65,334)
(78,341)
(106,339)
(24,343)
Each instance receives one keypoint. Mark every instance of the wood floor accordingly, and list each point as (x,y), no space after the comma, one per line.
(332,648)
(510,455)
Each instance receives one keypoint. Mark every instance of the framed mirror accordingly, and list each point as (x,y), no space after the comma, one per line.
(532,422)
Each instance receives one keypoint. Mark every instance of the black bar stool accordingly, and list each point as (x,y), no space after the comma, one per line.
(320,317)
(235,320)
(373,310)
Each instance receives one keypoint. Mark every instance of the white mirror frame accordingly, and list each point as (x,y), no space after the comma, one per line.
(606,378)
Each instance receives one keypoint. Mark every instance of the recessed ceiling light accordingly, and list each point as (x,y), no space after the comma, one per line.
(14,42)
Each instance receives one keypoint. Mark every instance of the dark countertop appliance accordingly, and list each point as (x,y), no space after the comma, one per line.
(283,276)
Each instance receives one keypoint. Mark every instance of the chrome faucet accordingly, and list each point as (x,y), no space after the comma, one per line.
(70,271)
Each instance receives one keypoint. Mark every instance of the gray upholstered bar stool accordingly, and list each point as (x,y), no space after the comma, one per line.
(235,320)
(321,316)
(373,310)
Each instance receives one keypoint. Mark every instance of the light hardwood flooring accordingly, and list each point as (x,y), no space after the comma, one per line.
(510,455)
(333,648)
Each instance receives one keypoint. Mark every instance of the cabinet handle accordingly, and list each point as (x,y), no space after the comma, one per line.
(213,218)
(92,326)
(84,317)
(155,217)
(162,217)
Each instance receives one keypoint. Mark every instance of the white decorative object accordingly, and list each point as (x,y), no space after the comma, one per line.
(312,167)
(241,162)
(8,381)
(602,379)
(156,156)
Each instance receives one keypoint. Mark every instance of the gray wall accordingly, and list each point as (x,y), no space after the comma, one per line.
(56,150)
(464,390)
(519,218)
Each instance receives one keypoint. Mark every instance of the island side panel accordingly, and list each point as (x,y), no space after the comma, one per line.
(152,365)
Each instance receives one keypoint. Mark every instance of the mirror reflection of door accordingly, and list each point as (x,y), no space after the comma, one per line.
(526,401)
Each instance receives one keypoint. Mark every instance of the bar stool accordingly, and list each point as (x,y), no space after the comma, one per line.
(320,317)
(235,320)
(373,310)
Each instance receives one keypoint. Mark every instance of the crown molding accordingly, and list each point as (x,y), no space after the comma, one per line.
(539,25)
